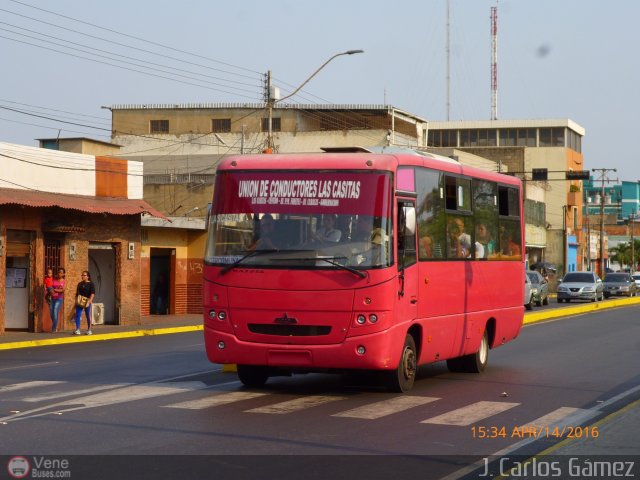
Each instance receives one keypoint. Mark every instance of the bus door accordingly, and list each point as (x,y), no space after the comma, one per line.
(407,260)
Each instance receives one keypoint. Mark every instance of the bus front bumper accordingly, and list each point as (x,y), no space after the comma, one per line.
(376,351)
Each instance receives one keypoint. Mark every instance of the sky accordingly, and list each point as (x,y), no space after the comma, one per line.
(63,61)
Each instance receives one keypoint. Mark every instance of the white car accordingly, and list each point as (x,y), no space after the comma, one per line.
(636,278)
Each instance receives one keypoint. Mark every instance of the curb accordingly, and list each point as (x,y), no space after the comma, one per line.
(99,337)
(535,317)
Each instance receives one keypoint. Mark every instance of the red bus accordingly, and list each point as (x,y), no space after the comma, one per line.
(336,262)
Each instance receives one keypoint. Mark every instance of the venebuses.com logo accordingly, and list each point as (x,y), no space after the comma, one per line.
(38,467)
(18,467)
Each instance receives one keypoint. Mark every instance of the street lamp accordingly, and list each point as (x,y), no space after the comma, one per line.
(272,101)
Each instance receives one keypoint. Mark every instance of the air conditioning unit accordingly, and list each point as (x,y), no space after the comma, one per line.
(97,314)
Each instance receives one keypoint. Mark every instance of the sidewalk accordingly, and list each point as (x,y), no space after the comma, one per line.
(149,325)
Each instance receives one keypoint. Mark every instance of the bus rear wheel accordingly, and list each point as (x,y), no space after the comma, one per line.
(253,375)
(402,378)
(472,363)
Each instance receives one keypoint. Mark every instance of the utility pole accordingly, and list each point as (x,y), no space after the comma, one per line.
(270,101)
(603,179)
(632,218)
(588,239)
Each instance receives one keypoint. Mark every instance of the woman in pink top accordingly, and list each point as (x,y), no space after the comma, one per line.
(57,296)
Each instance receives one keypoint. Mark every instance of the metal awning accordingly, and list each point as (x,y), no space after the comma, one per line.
(82,203)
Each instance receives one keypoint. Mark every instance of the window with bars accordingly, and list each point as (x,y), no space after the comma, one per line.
(159,126)
(221,125)
(52,253)
(275,124)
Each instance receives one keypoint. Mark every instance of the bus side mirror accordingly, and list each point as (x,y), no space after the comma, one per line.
(410,220)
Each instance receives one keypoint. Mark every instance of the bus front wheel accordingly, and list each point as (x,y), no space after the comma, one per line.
(253,375)
(401,379)
(473,363)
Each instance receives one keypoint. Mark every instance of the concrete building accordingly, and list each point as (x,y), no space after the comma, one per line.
(79,212)
(88,146)
(187,139)
(613,207)
(522,145)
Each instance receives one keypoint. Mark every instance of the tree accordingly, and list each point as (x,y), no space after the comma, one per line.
(622,253)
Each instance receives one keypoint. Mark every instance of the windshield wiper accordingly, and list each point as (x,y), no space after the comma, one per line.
(330,260)
(233,265)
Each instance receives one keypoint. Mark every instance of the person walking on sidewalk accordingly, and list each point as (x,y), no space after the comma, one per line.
(85,291)
(57,296)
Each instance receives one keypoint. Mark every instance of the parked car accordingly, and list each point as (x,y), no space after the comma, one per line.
(580,286)
(528,293)
(619,284)
(539,287)
(636,278)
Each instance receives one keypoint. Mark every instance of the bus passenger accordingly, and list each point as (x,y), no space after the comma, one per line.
(483,237)
(328,232)
(509,247)
(459,240)
(265,239)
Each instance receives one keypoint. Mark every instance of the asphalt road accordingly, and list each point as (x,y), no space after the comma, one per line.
(160,396)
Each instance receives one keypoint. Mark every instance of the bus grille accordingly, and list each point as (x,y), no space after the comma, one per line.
(289,330)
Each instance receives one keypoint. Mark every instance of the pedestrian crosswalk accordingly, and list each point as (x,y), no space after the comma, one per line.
(383,408)
(217,400)
(470,414)
(302,403)
(354,407)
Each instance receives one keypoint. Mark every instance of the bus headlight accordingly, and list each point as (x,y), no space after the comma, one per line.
(360,350)
(361,319)
(222,315)
(212,314)
(373,318)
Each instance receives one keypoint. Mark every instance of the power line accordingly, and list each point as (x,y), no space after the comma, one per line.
(54,119)
(139,39)
(53,128)
(54,110)
(123,56)
(123,68)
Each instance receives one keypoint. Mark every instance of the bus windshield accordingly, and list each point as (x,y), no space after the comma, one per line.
(301,219)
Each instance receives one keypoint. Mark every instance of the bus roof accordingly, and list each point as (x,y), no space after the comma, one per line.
(356,161)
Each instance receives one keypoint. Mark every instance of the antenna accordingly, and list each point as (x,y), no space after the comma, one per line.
(494,63)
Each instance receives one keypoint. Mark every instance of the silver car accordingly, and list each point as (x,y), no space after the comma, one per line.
(580,286)
(539,287)
(528,293)
(619,284)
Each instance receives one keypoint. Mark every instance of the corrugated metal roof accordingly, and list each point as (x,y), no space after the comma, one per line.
(114,206)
